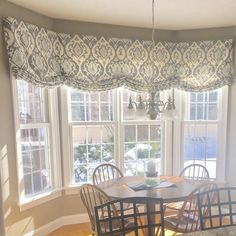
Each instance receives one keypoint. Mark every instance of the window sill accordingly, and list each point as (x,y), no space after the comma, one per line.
(72,189)
(40,199)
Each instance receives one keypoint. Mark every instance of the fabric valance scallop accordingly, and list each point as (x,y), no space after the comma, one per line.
(48,58)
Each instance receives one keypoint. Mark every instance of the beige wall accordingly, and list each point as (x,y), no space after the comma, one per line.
(18,223)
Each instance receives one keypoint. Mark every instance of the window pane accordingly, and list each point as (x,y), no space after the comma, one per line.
(107,134)
(108,154)
(94,134)
(200,145)
(134,114)
(205,107)
(92,144)
(85,106)
(212,112)
(155,151)
(79,135)
(35,160)
(142,132)
(81,174)
(28,185)
(31,103)
(77,96)
(155,132)
(77,112)
(130,133)
(147,145)
(213,96)
(106,111)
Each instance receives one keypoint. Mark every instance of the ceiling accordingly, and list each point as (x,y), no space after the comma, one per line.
(169,14)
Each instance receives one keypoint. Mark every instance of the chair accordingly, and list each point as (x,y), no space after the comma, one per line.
(195,172)
(217,212)
(110,222)
(105,172)
(92,196)
(186,219)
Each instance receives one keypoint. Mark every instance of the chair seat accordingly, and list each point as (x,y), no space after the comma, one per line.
(174,205)
(116,225)
(178,206)
(171,222)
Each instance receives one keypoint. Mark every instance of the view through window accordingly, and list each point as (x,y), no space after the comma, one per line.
(95,125)
(34,139)
(201,130)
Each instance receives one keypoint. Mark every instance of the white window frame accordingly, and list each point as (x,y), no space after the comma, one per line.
(178,152)
(67,146)
(55,154)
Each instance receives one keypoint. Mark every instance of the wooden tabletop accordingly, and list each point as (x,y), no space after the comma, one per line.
(226,231)
(118,188)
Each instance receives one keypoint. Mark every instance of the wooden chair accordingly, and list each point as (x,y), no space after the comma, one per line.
(195,172)
(92,196)
(186,219)
(110,222)
(217,212)
(105,172)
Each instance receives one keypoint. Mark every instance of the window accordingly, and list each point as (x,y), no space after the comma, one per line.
(142,136)
(201,129)
(92,129)
(103,129)
(34,141)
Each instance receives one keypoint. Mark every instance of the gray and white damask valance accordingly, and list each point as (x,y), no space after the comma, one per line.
(50,59)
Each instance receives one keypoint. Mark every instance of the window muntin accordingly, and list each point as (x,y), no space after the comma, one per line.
(200,130)
(203,105)
(31,103)
(92,132)
(34,139)
(92,145)
(94,106)
(141,143)
(142,136)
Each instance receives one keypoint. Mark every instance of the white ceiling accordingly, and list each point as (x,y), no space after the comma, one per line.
(169,14)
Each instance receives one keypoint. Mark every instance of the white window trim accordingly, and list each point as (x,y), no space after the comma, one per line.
(178,162)
(67,149)
(67,145)
(55,155)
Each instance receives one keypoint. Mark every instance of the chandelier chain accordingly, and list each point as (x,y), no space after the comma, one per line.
(153,22)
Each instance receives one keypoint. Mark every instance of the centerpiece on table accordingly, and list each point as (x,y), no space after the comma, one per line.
(151,170)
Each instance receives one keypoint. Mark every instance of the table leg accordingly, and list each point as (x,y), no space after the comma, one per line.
(151,218)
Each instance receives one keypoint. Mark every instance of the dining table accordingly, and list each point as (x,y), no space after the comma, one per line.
(223,231)
(170,188)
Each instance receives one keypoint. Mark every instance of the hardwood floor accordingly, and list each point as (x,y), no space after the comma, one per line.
(73,230)
(84,230)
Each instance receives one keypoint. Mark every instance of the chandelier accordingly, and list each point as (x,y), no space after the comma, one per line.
(154,105)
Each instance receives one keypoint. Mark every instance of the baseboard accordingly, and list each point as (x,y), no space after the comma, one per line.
(59,222)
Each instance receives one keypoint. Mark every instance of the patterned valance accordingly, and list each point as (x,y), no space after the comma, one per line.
(50,59)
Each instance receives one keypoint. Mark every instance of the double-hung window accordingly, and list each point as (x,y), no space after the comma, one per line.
(141,139)
(103,129)
(92,132)
(35,110)
(202,130)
